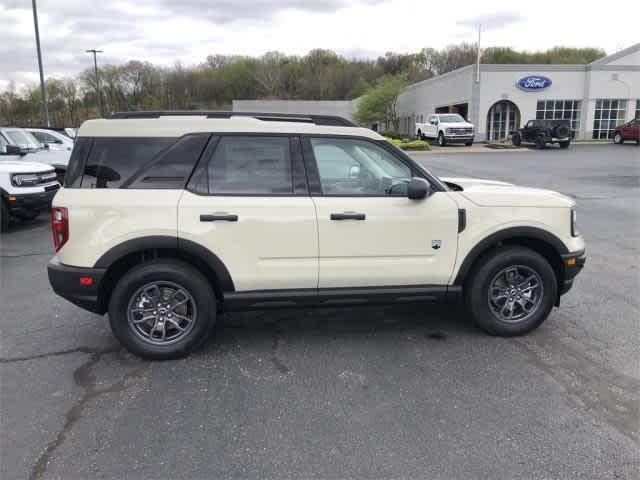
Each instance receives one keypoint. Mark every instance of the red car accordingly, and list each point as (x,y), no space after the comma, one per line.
(627,131)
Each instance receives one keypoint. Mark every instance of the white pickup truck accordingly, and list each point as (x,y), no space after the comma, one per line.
(446,128)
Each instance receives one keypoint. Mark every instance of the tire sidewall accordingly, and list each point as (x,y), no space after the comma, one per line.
(441,140)
(477,291)
(173,271)
(617,138)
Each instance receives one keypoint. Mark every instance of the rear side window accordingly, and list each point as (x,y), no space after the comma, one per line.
(172,167)
(251,165)
(113,161)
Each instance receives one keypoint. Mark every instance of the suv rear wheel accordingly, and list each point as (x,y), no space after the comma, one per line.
(163,309)
(511,292)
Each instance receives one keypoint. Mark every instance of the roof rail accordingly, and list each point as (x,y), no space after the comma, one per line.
(331,120)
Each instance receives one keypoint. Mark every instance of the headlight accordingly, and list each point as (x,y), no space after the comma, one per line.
(24,179)
(574,226)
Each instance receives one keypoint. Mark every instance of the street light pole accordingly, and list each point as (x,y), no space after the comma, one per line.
(45,108)
(99,92)
(478,57)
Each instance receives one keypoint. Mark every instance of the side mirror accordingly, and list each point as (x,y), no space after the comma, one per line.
(354,172)
(418,189)
(46,146)
(15,150)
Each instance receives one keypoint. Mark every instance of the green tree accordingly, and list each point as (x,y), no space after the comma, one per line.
(380,102)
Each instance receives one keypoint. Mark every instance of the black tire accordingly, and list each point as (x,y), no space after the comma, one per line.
(441,140)
(565,144)
(479,282)
(468,144)
(4,216)
(420,136)
(617,138)
(540,144)
(516,139)
(163,270)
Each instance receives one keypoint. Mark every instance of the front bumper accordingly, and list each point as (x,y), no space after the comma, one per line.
(573,263)
(71,284)
(452,138)
(28,203)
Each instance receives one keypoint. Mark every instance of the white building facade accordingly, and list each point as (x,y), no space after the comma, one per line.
(594,97)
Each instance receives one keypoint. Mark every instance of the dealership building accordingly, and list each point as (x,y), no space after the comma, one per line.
(499,98)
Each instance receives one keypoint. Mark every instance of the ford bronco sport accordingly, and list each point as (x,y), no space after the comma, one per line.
(167,219)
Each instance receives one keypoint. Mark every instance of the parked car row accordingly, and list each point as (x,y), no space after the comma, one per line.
(448,128)
(33,163)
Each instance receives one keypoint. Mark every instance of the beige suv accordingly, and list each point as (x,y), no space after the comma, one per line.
(167,219)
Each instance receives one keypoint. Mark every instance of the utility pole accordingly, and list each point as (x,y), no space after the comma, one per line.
(98,90)
(478,58)
(45,108)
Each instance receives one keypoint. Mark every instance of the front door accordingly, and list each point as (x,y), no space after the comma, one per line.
(249,205)
(370,233)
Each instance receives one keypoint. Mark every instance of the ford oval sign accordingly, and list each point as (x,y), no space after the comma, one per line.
(534,82)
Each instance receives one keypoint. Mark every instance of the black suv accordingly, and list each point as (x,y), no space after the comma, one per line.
(541,132)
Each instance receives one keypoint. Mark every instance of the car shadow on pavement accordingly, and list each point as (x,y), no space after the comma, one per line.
(434,322)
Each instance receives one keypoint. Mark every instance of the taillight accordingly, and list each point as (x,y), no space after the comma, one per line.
(59,226)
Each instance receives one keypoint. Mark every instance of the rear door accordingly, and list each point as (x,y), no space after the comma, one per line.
(248,203)
(370,233)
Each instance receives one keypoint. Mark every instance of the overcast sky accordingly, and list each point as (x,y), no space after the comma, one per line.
(165,31)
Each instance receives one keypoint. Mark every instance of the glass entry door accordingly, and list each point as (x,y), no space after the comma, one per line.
(503,117)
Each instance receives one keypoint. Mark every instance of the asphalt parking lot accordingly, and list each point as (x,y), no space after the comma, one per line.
(402,392)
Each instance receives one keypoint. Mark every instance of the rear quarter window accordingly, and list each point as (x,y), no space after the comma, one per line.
(113,161)
(134,163)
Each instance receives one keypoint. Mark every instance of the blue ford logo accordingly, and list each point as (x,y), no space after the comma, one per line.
(534,82)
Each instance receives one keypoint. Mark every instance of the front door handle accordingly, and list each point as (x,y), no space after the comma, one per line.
(219,218)
(348,216)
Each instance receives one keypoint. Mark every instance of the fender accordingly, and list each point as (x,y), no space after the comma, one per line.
(501,236)
(192,249)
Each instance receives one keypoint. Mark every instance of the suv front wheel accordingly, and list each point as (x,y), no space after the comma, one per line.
(163,309)
(511,291)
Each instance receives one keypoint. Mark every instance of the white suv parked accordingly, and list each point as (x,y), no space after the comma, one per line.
(446,128)
(167,219)
(26,188)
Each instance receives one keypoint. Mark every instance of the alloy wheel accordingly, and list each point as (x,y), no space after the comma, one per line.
(515,293)
(161,312)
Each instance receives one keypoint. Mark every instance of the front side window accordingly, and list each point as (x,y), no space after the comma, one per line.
(358,167)
(251,165)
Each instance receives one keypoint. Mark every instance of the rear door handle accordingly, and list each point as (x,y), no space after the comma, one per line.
(348,216)
(219,218)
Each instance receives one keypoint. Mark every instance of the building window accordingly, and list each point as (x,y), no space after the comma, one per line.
(609,113)
(560,110)
(637,109)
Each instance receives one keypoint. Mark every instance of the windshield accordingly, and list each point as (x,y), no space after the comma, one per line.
(454,118)
(22,139)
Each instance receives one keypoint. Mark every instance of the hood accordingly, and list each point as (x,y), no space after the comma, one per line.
(493,193)
(456,124)
(21,166)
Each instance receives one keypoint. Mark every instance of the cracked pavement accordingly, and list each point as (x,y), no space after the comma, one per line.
(408,391)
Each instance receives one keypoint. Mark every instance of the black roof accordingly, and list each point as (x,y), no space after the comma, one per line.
(330,120)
